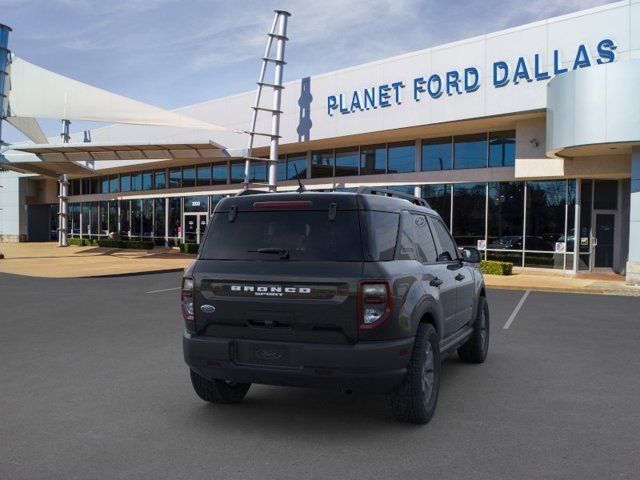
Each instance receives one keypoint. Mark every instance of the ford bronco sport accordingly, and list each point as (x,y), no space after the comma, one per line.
(361,291)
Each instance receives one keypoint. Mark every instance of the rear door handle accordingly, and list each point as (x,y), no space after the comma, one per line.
(436,282)
(459,277)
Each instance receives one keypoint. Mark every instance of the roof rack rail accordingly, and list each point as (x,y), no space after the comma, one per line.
(242,193)
(392,193)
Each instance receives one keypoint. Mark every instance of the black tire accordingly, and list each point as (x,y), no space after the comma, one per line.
(218,391)
(476,348)
(414,401)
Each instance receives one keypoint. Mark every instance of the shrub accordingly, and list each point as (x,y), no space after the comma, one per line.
(491,267)
(76,241)
(189,247)
(135,244)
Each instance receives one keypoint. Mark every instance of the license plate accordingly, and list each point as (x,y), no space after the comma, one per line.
(263,354)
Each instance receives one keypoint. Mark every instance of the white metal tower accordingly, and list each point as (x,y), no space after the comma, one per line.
(278,33)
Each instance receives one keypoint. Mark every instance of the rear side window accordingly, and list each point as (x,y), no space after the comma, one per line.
(447,250)
(416,242)
(383,234)
(304,235)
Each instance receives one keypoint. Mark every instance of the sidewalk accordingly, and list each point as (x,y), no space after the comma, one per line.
(49,260)
(561,282)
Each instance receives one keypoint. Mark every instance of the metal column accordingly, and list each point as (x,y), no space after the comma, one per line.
(278,33)
(63,197)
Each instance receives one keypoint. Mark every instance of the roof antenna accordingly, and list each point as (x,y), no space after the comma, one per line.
(301,187)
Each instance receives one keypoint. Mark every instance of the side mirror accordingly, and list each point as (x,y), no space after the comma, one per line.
(471,255)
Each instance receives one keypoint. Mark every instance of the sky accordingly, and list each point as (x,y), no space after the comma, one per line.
(172,53)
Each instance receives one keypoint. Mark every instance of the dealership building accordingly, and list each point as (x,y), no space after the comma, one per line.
(526,141)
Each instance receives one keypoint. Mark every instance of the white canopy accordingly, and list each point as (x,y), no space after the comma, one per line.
(38,93)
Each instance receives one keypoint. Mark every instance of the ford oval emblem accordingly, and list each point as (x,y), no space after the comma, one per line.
(208,308)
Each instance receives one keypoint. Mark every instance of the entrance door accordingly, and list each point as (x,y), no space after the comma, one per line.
(194,227)
(604,239)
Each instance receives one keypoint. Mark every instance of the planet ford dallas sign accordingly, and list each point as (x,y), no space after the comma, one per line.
(468,80)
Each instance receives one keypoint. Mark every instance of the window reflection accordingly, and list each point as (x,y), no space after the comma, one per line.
(506,214)
(322,164)
(502,149)
(439,199)
(470,151)
(468,213)
(437,154)
(545,215)
(373,160)
(401,157)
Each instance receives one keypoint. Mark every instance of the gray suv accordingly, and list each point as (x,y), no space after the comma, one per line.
(361,291)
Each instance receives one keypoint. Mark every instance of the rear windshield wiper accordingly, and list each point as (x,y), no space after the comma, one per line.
(283,252)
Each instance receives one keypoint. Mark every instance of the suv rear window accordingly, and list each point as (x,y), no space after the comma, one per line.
(304,235)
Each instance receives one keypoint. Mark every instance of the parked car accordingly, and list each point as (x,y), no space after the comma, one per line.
(358,291)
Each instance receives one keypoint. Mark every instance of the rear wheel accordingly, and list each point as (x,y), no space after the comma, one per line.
(415,399)
(477,347)
(218,391)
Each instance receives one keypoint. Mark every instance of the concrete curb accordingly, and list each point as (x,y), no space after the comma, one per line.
(132,274)
(585,291)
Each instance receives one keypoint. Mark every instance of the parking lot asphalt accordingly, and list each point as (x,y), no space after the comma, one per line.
(93,386)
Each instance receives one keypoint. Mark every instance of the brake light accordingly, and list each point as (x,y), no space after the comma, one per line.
(283,204)
(186,300)
(374,301)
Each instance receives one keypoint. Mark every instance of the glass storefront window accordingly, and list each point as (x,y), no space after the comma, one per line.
(219,174)
(299,163)
(544,260)
(114,184)
(175,177)
(203,175)
(104,218)
(373,160)
(136,218)
(197,203)
(95,185)
(469,213)
(545,217)
(95,223)
(506,216)
(258,172)
(104,184)
(175,220)
(511,256)
(322,164)
(147,180)
(147,217)
(401,157)
(502,149)
(86,218)
(437,154)
(281,168)
(125,182)
(439,198)
(160,179)
(136,182)
(605,194)
(125,220)
(86,186)
(585,224)
(188,177)
(470,151)
(237,172)
(113,216)
(158,216)
(406,189)
(213,201)
(346,162)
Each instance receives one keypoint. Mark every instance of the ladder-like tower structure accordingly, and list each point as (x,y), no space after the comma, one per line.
(277,35)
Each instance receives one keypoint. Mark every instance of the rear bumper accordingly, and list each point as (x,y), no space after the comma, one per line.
(365,366)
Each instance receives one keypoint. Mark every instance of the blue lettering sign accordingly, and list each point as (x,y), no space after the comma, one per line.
(383,95)
(605,51)
(370,98)
(521,72)
(582,58)
(418,88)
(537,72)
(470,86)
(438,81)
(468,80)
(557,69)
(396,88)
(500,74)
(332,104)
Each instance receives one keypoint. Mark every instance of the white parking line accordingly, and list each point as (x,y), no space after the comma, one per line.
(512,317)
(164,290)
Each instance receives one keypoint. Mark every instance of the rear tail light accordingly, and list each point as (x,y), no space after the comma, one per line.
(186,300)
(374,299)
